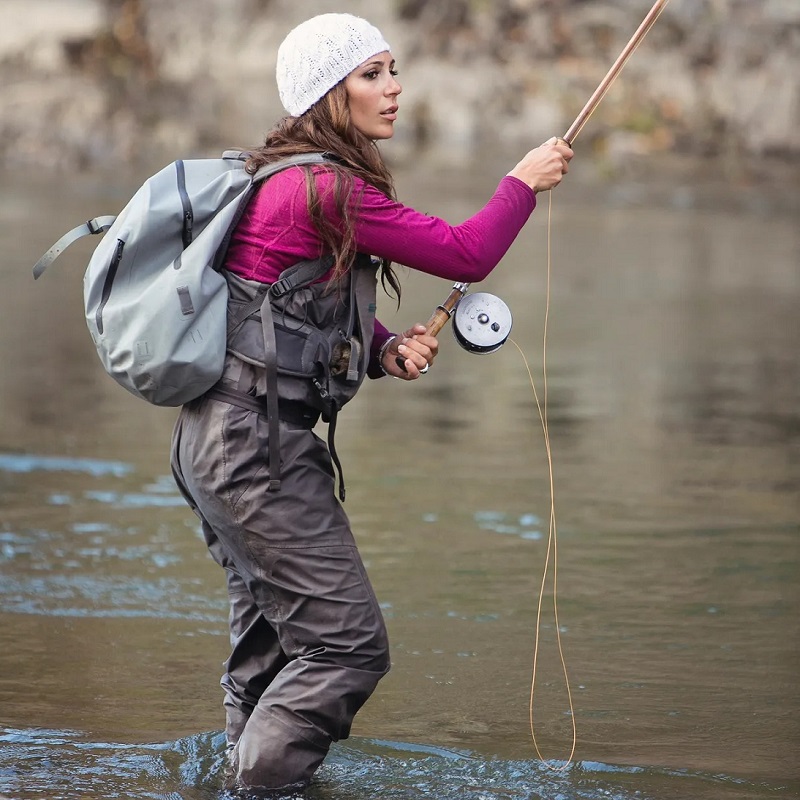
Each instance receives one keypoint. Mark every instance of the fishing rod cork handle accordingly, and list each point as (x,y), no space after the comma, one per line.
(437,321)
(441,314)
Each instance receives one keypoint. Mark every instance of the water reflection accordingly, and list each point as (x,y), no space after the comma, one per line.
(673,389)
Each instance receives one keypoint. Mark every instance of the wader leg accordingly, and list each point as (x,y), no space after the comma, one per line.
(327,619)
(256,655)
(295,554)
(256,658)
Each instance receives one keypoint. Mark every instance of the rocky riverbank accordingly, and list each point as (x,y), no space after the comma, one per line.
(88,82)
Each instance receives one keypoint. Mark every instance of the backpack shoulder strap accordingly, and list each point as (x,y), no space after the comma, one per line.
(91,227)
(301,274)
(102,224)
(261,175)
(292,161)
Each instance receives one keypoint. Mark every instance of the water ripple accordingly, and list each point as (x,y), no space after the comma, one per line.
(93,596)
(27,462)
(67,765)
(525,526)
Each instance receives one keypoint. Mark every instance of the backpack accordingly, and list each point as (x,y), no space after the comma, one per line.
(155,300)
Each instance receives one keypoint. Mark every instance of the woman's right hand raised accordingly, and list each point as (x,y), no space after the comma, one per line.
(543,167)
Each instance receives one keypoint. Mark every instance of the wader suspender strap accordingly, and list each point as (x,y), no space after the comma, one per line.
(248,402)
(352,372)
(299,275)
(332,450)
(271,364)
(360,309)
(355,346)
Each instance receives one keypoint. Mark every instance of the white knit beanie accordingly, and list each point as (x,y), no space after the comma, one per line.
(319,53)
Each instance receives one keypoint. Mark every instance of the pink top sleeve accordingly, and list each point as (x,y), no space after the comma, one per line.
(467,252)
(276,231)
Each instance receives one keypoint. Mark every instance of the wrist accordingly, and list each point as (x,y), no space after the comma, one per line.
(382,352)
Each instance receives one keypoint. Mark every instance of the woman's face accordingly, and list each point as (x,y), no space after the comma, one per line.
(372,96)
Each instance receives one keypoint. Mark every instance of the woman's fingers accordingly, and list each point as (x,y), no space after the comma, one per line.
(416,351)
(543,167)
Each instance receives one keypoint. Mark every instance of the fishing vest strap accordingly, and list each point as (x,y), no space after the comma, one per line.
(289,411)
(301,274)
(298,275)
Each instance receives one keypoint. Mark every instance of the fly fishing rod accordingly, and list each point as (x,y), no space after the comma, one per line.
(481,321)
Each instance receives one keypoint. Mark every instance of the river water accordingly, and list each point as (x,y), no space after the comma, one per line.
(673,395)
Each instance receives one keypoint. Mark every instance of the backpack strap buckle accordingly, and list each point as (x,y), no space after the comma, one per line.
(281,287)
(92,226)
(97,225)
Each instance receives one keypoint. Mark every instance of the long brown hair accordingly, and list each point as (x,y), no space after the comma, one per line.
(327,127)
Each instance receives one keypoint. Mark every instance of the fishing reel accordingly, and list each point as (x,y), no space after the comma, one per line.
(481,323)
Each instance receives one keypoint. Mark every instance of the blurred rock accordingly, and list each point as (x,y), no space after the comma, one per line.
(137,81)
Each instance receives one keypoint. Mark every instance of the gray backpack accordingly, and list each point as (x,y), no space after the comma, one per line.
(155,301)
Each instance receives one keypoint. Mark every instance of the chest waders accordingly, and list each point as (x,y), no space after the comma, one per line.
(312,340)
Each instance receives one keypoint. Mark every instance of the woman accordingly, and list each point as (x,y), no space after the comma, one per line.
(308,641)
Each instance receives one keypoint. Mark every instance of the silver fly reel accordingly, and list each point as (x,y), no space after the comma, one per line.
(481,322)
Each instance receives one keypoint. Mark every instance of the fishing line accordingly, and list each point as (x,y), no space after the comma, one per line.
(450,306)
(552,537)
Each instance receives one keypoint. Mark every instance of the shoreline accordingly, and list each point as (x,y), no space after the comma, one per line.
(770,187)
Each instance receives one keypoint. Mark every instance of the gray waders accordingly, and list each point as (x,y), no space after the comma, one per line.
(308,640)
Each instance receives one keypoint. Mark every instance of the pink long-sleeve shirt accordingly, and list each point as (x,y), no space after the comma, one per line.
(276,232)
